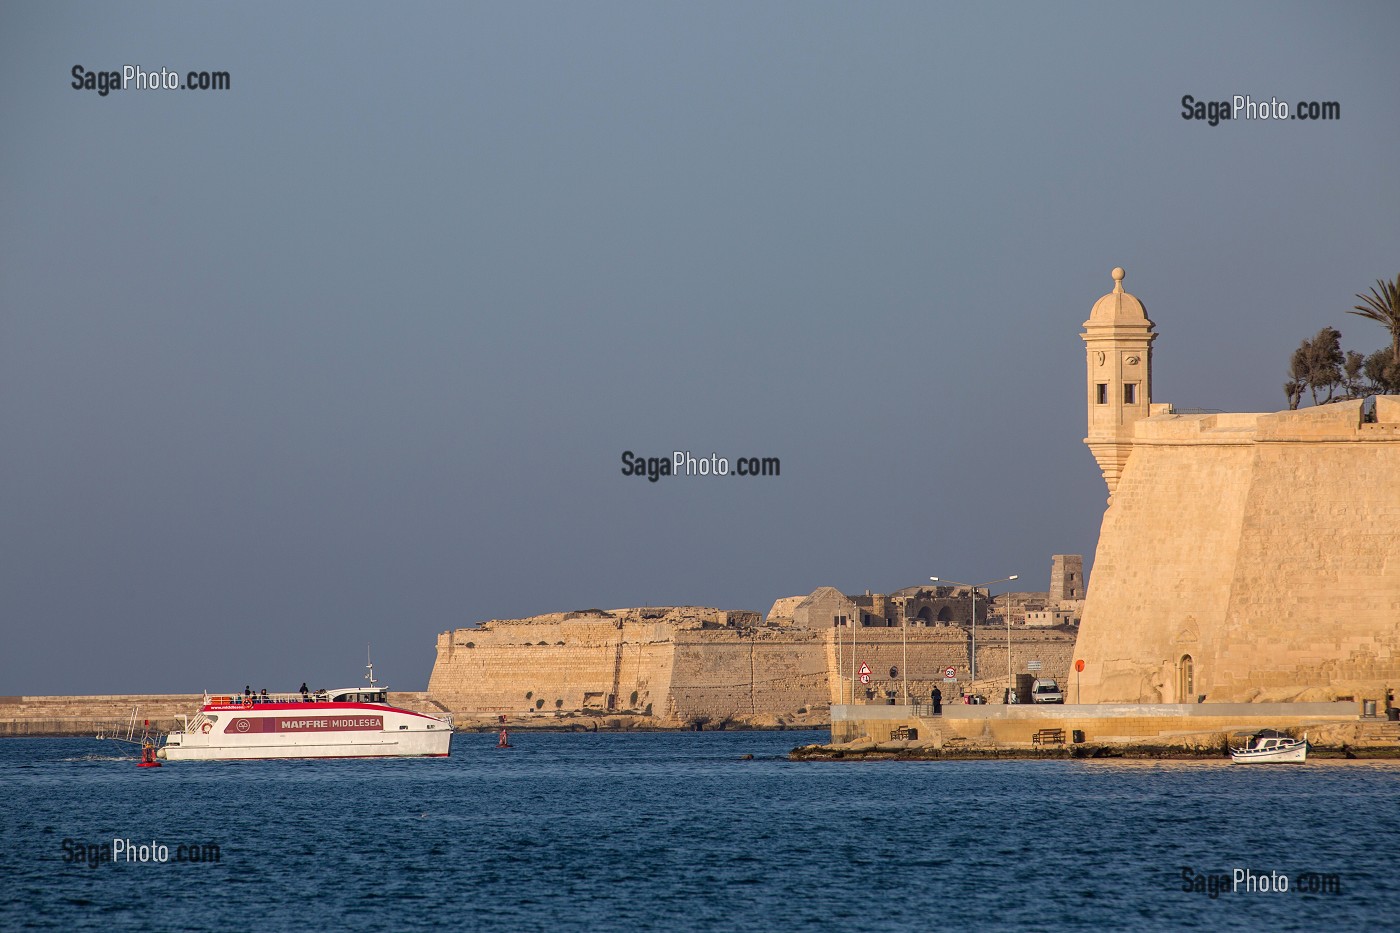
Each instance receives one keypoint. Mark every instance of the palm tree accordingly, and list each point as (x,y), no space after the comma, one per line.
(1383,307)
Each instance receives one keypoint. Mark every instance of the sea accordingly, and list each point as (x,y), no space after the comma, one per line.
(689,831)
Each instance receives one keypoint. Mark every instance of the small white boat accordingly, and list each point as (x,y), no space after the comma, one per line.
(1268,746)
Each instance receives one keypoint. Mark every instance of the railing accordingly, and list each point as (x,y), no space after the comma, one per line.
(259,699)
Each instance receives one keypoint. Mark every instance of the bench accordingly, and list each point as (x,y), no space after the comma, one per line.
(1048,737)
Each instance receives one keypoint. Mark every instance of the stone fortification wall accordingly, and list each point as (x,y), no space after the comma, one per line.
(682,667)
(932,651)
(753,676)
(598,663)
(1250,557)
(1315,597)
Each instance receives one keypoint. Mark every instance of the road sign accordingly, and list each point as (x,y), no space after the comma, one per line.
(950,672)
(865,678)
(1079,665)
(1032,665)
(864,669)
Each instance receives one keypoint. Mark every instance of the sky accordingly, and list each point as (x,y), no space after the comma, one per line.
(348,354)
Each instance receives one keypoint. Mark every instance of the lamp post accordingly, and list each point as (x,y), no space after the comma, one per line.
(973,665)
(904,665)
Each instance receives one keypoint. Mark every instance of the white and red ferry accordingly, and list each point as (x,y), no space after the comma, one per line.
(354,722)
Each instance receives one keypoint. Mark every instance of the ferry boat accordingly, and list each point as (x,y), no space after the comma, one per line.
(353,722)
(1270,746)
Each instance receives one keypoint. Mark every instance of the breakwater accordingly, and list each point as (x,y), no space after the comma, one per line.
(120,714)
(1196,730)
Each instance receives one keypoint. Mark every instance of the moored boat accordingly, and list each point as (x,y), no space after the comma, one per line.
(353,722)
(1268,746)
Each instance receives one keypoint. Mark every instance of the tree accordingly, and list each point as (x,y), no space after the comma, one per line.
(1353,368)
(1383,372)
(1383,307)
(1316,365)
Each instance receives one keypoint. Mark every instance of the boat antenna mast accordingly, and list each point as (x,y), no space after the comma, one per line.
(369,668)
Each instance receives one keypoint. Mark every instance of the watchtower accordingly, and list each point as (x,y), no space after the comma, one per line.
(1118,349)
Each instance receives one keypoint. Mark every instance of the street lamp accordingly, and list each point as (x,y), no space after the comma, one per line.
(973,672)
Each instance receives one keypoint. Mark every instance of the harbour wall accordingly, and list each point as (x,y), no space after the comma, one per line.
(675,675)
(1162,724)
(116,715)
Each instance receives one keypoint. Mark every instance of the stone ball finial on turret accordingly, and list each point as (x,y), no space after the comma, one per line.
(1118,305)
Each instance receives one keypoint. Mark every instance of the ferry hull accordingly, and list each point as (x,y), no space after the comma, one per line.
(392,749)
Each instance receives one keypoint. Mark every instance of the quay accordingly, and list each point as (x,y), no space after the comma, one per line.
(1143,730)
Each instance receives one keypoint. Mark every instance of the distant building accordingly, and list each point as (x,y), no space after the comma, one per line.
(931,606)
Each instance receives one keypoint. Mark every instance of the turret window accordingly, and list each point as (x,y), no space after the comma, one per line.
(1130,393)
(1102,395)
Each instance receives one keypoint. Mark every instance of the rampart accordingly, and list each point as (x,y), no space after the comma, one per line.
(691,666)
(1250,557)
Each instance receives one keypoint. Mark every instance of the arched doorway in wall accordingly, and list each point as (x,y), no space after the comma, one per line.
(945,614)
(1186,680)
(925,616)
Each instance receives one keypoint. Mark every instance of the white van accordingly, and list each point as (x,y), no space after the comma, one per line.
(1046,691)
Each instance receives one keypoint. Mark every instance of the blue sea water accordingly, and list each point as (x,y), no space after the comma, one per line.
(676,831)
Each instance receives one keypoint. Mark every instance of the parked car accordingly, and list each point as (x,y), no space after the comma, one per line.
(1045,690)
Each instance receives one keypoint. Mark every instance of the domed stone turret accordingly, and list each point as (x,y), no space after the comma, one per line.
(1118,305)
(1118,347)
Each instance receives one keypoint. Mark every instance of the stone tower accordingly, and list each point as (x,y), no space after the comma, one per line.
(1118,346)
(1066,577)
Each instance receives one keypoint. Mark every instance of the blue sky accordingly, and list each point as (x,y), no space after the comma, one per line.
(349,353)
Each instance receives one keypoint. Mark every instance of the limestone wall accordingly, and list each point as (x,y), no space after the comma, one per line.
(752,676)
(696,671)
(580,664)
(1315,597)
(1263,548)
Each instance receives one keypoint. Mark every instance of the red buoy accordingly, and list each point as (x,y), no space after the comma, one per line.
(148,757)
